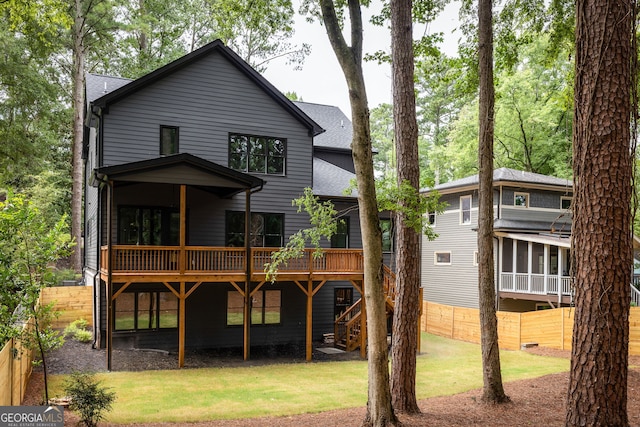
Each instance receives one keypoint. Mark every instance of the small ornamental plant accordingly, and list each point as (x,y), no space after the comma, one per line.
(78,331)
(88,397)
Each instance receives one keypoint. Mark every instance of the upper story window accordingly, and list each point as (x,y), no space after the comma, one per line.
(431,219)
(267,229)
(386,226)
(521,200)
(465,209)
(341,238)
(169,138)
(259,154)
(565,203)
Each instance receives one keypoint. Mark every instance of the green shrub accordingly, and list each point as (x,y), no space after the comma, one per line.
(82,335)
(78,330)
(88,397)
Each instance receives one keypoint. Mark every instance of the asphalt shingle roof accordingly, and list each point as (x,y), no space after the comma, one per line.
(330,180)
(338,131)
(508,175)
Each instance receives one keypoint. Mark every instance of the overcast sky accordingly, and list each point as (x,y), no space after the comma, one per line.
(321,80)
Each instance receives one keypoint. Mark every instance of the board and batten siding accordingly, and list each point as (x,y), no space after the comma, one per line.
(457,283)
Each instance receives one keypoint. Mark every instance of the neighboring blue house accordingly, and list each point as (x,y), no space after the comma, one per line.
(174,161)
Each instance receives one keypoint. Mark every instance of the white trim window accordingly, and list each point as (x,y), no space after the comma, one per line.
(565,203)
(442,258)
(465,209)
(431,219)
(476,258)
(521,200)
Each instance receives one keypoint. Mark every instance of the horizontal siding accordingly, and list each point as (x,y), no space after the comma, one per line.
(455,284)
(537,198)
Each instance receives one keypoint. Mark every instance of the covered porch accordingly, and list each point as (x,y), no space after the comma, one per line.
(534,266)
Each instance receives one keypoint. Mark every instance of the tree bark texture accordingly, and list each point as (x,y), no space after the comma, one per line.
(78,134)
(492,390)
(602,254)
(407,305)
(379,409)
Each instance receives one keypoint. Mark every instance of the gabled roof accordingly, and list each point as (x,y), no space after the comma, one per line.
(181,168)
(338,129)
(98,85)
(214,47)
(506,176)
(330,180)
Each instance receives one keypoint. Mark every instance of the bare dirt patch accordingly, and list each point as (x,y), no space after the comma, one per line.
(535,402)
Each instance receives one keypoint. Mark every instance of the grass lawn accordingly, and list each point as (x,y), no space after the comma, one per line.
(445,367)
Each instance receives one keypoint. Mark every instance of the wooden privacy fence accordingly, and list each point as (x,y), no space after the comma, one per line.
(73,302)
(547,328)
(15,371)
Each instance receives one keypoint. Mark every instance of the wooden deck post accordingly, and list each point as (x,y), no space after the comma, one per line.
(183,227)
(181,325)
(309,325)
(109,325)
(247,280)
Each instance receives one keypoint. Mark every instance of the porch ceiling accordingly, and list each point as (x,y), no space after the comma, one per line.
(563,242)
(184,169)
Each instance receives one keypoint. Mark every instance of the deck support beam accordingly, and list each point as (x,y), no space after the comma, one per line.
(181,324)
(110,314)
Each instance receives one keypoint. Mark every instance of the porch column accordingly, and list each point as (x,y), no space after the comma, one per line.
(546,269)
(514,260)
(247,280)
(529,265)
(183,228)
(309,326)
(499,270)
(363,326)
(559,276)
(181,324)
(110,322)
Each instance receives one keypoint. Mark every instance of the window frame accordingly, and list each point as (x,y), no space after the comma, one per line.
(164,227)
(262,314)
(431,219)
(476,258)
(159,312)
(564,199)
(235,238)
(462,210)
(241,159)
(526,196)
(390,238)
(176,136)
(435,258)
(346,233)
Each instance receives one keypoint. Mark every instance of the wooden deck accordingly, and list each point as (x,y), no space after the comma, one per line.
(223,264)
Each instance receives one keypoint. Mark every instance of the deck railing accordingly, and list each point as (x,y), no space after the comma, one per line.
(208,259)
(534,283)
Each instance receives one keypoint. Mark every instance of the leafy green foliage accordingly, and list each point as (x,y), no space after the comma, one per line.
(29,246)
(88,397)
(78,330)
(411,203)
(322,216)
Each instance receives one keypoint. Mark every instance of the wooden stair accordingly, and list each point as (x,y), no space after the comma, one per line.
(348,327)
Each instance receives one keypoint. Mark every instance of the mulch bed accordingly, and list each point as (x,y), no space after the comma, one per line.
(535,402)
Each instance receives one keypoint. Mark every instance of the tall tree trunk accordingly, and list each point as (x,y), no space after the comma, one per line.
(492,390)
(78,133)
(601,237)
(407,306)
(379,409)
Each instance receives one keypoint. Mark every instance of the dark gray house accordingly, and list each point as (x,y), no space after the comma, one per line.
(182,165)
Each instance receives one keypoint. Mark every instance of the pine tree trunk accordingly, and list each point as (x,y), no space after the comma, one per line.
(602,254)
(407,305)
(492,390)
(379,410)
(78,134)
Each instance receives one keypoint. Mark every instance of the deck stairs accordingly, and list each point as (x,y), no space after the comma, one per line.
(348,333)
